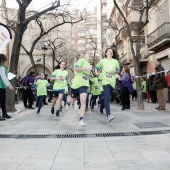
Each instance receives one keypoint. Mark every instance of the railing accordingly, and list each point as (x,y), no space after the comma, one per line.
(159,34)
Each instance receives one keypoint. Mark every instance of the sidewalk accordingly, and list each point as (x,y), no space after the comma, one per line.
(149,152)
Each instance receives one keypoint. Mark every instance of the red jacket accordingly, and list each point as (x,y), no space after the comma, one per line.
(168,79)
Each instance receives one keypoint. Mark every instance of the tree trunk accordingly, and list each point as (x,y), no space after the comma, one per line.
(33,63)
(14,65)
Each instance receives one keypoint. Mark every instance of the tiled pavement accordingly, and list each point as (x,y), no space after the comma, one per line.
(149,152)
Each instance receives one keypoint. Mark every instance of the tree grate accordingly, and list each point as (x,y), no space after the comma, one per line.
(94,135)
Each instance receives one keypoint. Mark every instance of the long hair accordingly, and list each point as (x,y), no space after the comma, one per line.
(58,66)
(3,58)
(115,54)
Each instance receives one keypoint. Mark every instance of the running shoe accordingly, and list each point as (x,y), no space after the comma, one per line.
(81,123)
(76,107)
(52,110)
(110,118)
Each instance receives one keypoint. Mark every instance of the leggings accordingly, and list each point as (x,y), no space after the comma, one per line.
(94,101)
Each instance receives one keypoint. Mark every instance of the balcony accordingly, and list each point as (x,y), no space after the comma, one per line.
(160,37)
(125,59)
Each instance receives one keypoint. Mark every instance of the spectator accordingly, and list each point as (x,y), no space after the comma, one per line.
(27,91)
(4,83)
(144,88)
(134,93)
(159,85)
(167,78)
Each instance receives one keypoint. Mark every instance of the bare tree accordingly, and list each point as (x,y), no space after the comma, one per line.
(143,20)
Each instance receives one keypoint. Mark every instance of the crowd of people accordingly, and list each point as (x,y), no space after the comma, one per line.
(91,86)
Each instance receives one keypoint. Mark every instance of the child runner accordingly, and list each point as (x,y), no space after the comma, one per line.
(80,83)
(4,83)
(41,85)
(95,91)
(60,76)
(109,68)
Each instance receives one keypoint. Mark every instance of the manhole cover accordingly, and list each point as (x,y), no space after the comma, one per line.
(144,125)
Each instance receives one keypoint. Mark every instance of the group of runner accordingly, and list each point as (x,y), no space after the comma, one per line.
(102,84)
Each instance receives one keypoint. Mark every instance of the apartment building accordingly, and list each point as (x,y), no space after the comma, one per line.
(154,38)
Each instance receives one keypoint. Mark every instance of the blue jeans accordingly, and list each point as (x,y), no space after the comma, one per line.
(40,100)
(101,101)
(107,89)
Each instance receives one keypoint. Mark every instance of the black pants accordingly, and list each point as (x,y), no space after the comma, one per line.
(134,95)
(94,101)
(3,101)
(153,96)
(125,97)
(27,96)
(101,102)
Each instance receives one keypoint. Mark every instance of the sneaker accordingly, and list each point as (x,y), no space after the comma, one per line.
(81,123)
(52,110)
(38,111)
(110,118)
(76,107)
(86,110)
(57,114)
(92,110)
(98,105)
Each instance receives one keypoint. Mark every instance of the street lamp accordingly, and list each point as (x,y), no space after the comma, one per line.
(44,48)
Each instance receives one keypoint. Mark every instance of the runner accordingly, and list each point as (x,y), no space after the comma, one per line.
(109,68)
(41,85)
(80,83)
(60,76)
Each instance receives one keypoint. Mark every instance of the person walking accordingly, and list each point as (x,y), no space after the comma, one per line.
(41,85)
(60,77)
(159,85)
(80,83)
(4,83)
(109,67)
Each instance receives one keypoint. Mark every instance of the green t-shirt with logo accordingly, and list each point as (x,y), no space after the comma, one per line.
(60,84)
(81,78)
(41,87)
(108,65)
(95,86)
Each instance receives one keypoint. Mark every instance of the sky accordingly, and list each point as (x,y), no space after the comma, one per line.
(39,4)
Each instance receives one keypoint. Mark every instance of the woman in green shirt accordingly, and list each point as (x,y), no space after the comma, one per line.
(80,83)
(109,67)
(60,77)
(4,83)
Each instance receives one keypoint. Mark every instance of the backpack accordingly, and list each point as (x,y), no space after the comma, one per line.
(24,81)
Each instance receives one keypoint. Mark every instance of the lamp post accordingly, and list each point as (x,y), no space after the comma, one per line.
(44,48)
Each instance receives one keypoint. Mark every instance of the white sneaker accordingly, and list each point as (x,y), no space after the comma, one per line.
(78,111)
(110,118)
(67,106)
(76,107)
(81,123)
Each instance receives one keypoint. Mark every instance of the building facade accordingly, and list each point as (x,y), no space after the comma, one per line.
(154,36)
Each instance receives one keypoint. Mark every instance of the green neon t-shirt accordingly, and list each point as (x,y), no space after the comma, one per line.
(81,78)
(144,87)
(60,84)
(134,85)
(41,87)
(95,86)
(108,65)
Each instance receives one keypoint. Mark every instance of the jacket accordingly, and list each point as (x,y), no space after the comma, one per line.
(168,79)
(159,79)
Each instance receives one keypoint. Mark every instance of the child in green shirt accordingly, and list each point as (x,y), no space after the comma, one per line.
(41,85)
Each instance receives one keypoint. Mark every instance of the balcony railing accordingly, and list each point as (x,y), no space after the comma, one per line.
(159,37)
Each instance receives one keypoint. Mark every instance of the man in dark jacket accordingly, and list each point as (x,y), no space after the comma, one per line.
(159,85)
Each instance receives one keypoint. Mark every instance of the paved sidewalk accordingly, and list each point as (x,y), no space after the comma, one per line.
(149,152)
